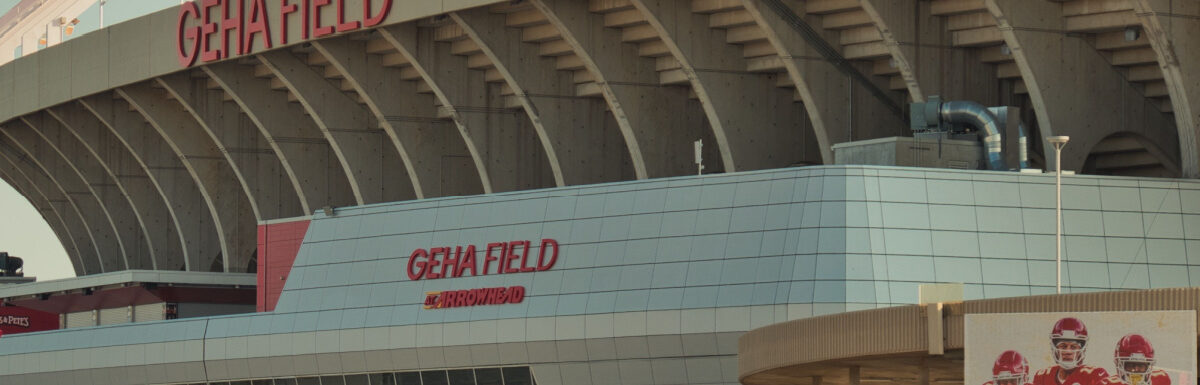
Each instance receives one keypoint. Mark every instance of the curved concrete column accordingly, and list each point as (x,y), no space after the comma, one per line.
(409,118)
(896,21)
(95,216)
(219,187)
(128,227)
(45,209)
(252,160)
(95,144)
(655,120)
(502,144)
(825,90)
(317,175)
(581,140)
(375,170)
(756,125)
(202,246)
(87,258)
(1173,28)
(1067,79)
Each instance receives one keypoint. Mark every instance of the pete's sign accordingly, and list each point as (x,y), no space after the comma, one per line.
(219,29)
(14,320)
(499,258)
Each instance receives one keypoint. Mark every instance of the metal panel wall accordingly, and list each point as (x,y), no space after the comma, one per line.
(80,319)
(148,312)
(116,315)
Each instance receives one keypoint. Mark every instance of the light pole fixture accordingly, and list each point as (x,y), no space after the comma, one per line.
(1059,142)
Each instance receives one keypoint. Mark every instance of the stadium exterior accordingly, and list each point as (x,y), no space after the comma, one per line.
(555,139)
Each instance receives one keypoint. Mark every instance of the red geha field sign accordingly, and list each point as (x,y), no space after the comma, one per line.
(498,258)
(225,28)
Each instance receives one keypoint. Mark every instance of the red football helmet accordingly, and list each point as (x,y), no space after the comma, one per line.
(1068,342)
(1010,368)
(1134,359)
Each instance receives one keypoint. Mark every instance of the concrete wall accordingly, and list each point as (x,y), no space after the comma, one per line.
(655,280)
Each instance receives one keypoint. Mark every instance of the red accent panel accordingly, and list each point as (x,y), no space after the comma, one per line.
(15,319)
(278,245)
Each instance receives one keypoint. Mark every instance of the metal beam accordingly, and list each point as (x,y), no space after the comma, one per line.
(317,175)
(375,170)
(219,187)
(251,158)
(581,140)
(502,143)
(189,210)
(410,119)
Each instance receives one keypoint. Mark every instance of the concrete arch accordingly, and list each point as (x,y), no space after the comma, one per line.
(894,20)
(250,157)
(219,187)
(98,145)
(375,170)
(655,139)
(499,139)
(1128,153)
(109,249)
(165,170)
(759,137)
(1067,78)
(45,209)
(113,200)
(87,257)
(1173,29)
(317,175)
(410,120)
(572,129)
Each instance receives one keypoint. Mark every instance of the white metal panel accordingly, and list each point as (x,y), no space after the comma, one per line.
(116,315)
(148,312)
(80,319)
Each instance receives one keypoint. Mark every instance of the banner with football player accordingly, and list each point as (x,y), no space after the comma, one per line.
(1085,348)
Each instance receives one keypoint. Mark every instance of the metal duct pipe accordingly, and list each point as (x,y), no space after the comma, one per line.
(1001,113)
(977,115)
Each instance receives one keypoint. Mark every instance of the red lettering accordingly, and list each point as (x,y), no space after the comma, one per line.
(284,9)
(488,258)
(257,23)
(443,299)
(343,25)
(544,264)
(460,298)
(525,268)
(434,262)
(451,263)
(516,294)
(318,30)
(491,297)
(371,21)
(232,23)
(511,256)
(186,56)
(207,29)
(413,260)
(468,261)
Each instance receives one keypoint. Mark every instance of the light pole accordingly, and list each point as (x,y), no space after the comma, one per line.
(1059,142)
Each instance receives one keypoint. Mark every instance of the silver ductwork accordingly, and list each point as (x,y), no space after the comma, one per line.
(954,117)
(978,116)
(1001,114)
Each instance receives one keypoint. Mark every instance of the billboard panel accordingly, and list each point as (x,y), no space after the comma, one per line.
(1084,348)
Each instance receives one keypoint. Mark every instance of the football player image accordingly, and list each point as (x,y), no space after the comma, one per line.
(1068,344)
(1010,368)
(1134,360)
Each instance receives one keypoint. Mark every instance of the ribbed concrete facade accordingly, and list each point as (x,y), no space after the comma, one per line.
(161,142)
